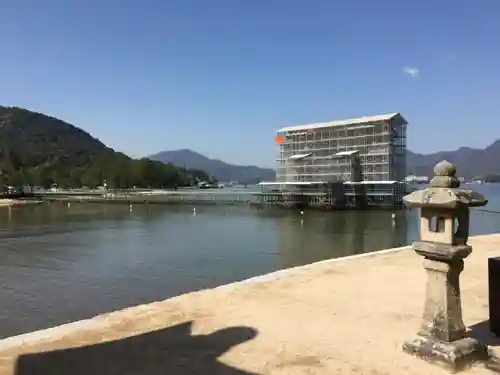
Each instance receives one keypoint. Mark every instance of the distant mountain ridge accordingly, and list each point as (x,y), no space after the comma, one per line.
(470,162)
(220,170)
(40,149)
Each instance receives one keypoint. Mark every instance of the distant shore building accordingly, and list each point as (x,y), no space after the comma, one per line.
(335,151)
(417,179)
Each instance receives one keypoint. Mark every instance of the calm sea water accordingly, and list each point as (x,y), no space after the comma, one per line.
(59,264)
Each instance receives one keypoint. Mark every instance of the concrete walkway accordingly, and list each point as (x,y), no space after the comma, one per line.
(334,317)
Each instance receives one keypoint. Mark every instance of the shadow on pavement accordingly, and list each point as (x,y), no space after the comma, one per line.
(482,332)
(168,351)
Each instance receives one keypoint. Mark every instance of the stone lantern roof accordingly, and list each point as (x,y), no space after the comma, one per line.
(445,192)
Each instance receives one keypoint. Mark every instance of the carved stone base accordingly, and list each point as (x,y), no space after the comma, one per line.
(454,356)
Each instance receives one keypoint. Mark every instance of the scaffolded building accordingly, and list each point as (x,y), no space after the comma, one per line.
(371,148)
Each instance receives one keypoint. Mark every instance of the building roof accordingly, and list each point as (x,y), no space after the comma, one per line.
(370,182)
(273,183)
(346,153)
(299,156)
(352,121)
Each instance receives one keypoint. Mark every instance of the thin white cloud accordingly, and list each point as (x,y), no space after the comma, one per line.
(412,71)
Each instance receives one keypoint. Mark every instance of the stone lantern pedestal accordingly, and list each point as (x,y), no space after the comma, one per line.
(444,230)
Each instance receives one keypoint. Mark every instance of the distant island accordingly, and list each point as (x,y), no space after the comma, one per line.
(39,150)
(481,164)
(242,174)
(472,164)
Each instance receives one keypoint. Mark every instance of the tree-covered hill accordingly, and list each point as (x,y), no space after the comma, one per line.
(470,162)
(244,174)
(36,149)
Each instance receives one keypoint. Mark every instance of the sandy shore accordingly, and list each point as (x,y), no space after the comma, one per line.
(346,316)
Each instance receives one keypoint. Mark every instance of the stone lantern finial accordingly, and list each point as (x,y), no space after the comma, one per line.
(445,168)
(445,175)
(444,231)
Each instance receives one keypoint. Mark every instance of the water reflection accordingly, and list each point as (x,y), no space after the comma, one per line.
(326,235)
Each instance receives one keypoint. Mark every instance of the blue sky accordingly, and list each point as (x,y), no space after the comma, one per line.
(221,76)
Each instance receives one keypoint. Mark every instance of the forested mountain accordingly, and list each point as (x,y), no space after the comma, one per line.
(470,162)
(220,170)
(37,149)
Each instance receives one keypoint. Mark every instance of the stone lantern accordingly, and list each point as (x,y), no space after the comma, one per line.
(444,230)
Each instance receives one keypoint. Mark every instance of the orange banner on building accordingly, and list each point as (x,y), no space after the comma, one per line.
(280,139)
